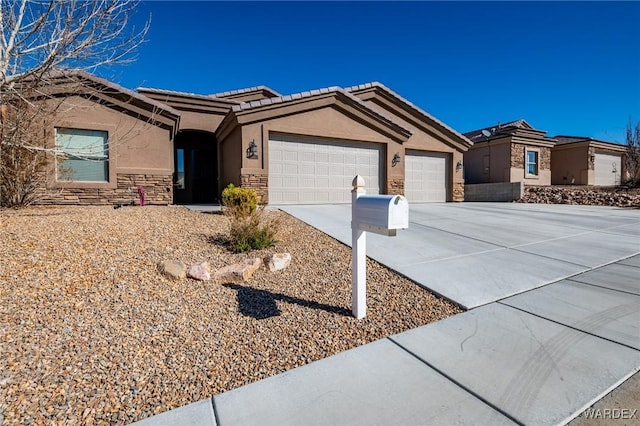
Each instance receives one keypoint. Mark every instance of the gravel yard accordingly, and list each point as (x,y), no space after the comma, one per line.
(91,333)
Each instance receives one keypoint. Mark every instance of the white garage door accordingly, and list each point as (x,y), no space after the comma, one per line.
(426,176)
(607,169)
(304,170)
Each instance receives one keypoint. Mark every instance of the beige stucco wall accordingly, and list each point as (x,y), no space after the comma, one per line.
(326,122)
(423,141)
(570,165)
(499,161)
(190,120)
(230,158)
(140,154)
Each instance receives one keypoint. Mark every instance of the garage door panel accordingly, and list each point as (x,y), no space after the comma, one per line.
(607,169)
(325,170)
(426,176)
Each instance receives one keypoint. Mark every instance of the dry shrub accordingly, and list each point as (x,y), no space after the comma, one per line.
(249,226)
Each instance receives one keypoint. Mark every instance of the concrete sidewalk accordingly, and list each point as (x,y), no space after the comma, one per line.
(540,357)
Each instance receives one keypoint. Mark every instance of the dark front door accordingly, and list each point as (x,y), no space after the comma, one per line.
(195,168)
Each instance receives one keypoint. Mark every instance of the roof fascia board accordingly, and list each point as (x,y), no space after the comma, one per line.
(93,82)
(226,126)
(342,101)
(531,141)
(155,116)
(416,116)
(610,146)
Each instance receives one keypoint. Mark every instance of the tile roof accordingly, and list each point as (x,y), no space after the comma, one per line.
(245,106)
(113,86)
(186,94)
(564,140)
(499,129)
(245,90)
(419,110)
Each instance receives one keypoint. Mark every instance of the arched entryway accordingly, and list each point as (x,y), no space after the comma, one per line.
(196,167)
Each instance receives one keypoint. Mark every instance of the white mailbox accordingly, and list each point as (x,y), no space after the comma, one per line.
(382,214)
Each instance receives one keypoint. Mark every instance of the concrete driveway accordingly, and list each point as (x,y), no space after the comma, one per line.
(478,253)
(537,357)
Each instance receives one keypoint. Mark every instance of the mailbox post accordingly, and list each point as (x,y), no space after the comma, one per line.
(382,214)
(358,255)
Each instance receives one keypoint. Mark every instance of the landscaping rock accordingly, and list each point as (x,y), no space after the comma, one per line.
(200,272)
(238,272)
(173,269)
(278,261)
(584,195)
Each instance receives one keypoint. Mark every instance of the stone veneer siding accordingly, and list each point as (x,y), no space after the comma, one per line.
(457,192)
(517,156)
(258,182)
(395,187)
(592,159)
(158,190)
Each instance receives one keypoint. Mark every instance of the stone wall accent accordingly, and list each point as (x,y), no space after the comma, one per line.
(158,190)
(395,187)
(517,156)
(545,158)
(592,158)
(258,182)
(457,192)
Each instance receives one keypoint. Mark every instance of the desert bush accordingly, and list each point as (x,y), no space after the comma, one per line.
(20,175)
(238,201)
(254,231)
(249,228)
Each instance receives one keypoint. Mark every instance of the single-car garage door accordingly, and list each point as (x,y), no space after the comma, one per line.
(306,170)
(426,176)
(607,169)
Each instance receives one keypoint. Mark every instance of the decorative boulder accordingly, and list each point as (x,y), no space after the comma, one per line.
(278,261)
(173,269)
(200,271)
(238,272)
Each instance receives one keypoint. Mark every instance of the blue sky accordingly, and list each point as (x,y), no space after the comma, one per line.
(568,68)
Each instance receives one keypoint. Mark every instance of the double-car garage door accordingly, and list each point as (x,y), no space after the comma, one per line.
(306,170)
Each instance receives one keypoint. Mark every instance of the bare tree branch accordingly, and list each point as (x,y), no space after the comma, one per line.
(39,40)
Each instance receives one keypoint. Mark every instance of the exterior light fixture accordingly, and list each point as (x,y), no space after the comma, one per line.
(252,150)
(396,159)
(459,166)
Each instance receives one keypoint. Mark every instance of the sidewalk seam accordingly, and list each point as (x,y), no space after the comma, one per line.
(575,280)
(566,325)
(215,412)
(460,385)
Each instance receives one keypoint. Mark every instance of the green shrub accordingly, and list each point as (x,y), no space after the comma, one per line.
(241,202)
(253,231)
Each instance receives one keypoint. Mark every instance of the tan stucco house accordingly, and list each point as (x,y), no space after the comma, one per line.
(577,160)
(293,149)
(510,152)
(108,142)
(305,148)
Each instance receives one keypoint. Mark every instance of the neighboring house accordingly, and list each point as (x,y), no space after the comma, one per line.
(579,160)
(295,149)
(510,152)
(108,141)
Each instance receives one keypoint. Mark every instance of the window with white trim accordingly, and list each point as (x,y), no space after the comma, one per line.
(82,155)
(531,165)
